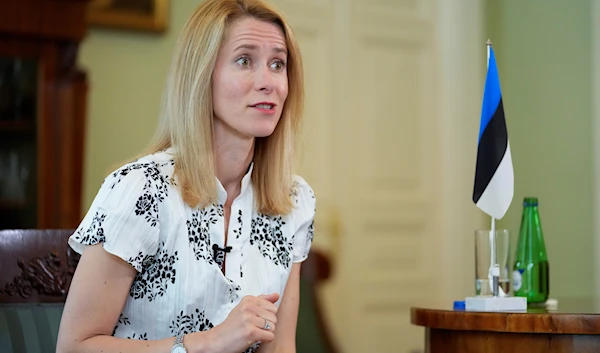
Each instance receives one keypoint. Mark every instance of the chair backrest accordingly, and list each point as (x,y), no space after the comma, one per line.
(313,334)
(36,268)
(37,265)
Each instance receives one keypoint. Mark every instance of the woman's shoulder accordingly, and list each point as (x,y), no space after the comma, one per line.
(302,193)
(300,184)
(157,166)
(163,160)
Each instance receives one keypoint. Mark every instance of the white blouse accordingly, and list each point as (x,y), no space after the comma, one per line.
(140,216)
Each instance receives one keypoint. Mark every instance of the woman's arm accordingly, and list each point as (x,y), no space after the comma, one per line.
(287,317)
(98,293)
(96,297)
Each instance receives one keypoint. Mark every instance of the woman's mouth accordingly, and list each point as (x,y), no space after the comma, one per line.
(267,108)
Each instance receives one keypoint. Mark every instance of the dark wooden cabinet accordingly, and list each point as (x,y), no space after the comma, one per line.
(42,113)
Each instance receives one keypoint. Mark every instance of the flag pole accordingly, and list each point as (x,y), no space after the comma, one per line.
(494,267)
(494,186)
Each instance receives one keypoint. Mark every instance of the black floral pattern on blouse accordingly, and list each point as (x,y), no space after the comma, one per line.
(124,321)
(142,337)
(238,231)
(95,232)
(233,291)
(140,261)
(154,191)
(188,323)
(253,348)
(268,236)
(311,229)
(155,276)
(156,188)
(294,192)
(199,231)
(309,238)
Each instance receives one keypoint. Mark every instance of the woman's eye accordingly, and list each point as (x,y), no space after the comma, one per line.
(278,65)
(244,61)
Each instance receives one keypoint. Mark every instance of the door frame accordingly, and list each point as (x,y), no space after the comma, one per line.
(463,55)
(595,69)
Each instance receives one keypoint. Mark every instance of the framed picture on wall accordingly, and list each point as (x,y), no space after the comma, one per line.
(143,15)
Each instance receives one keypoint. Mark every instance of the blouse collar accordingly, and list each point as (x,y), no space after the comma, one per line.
(246,181)
(221,193)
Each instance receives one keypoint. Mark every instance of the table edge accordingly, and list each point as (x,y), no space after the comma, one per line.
(510,322)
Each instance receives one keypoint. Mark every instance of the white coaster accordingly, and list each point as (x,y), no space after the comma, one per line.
(496,304)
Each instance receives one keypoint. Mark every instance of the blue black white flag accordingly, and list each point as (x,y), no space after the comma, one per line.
(494,177)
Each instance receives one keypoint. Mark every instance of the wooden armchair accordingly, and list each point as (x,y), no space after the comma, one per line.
(36,271)
(37,267)
(312,334)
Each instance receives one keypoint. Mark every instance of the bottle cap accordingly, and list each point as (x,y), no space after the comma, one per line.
(459,305)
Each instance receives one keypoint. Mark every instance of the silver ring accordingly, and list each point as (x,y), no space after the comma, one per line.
(267,325)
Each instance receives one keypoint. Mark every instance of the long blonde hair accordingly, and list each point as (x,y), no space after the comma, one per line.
(186,122)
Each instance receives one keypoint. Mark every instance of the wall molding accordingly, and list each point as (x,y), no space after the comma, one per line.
(595,69)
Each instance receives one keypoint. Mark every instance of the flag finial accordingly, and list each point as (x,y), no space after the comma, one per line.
(488,43)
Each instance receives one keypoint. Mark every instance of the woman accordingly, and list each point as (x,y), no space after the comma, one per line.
(196,246)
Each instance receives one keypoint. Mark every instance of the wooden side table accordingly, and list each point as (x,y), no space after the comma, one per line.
(574,327)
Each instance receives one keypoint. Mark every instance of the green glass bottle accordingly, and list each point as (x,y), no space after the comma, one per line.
(531,273)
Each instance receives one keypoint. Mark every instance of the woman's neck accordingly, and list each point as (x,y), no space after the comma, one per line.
(233,156)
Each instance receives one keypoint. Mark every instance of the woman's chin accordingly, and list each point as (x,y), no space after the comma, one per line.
(262,131)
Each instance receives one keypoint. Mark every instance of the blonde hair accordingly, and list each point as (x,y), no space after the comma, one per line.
(186,121)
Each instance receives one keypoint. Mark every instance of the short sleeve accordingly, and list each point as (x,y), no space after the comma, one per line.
(304,216)
(123,216)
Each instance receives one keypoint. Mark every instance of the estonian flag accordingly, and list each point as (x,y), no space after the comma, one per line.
(494,177)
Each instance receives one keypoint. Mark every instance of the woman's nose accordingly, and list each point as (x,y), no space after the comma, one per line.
(265,82)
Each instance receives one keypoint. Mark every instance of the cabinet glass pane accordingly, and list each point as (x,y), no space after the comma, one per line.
(18,142)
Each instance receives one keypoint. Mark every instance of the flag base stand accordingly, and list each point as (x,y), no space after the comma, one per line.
(496,304)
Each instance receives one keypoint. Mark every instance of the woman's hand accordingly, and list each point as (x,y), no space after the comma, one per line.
(246,324)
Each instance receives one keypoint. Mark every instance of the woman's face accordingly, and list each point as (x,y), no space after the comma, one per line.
(249,81)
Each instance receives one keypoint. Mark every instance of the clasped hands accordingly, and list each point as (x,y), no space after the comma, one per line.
(253,319)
